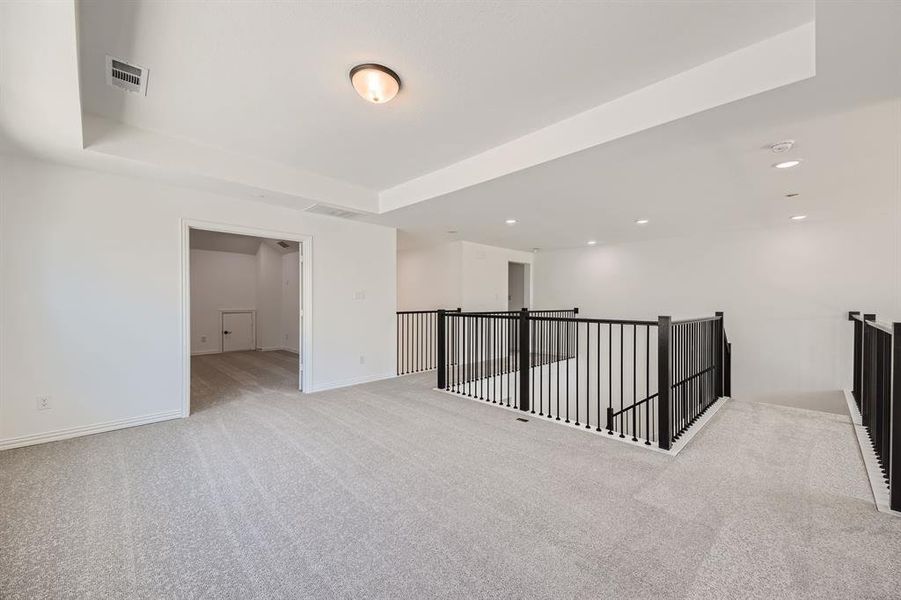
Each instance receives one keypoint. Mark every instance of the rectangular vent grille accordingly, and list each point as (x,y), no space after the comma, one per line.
(284,244)
(125,76)
(332,211)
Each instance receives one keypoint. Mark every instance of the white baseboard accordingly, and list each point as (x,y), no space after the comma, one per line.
(695,427)
(71,432)
(877,484)
(332,385)
(268,349)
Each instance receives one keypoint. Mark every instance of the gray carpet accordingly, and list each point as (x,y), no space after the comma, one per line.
(390,490)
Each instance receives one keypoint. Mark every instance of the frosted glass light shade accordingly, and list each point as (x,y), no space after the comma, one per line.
(375,83)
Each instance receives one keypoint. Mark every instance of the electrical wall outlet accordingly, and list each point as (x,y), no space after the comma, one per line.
(362,360)
(43,402)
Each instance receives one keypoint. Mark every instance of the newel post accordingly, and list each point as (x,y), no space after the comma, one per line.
(442,350)
(525,360)
(894,426)
(664,382)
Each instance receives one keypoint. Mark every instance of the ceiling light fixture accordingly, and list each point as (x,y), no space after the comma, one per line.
(642,222)
(510,221)
(376,83)
(799,217)
(592,242)
(788,164)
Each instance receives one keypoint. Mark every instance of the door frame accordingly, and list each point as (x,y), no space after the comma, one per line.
(253,326)
(305,283)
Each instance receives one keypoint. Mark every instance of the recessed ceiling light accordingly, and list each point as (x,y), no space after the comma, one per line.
(642,222)
(788,164)
(592,242)
(376,83)
(799,217)
(453,231)
(510,221)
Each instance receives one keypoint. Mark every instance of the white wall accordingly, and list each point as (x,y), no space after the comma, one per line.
(219,280)
(485,274)
(429,278)
(457,274)
(785,292)
(291,301)
(90,314)
(270,335)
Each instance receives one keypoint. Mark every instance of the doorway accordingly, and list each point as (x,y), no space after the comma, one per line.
(245,310)
(519,285)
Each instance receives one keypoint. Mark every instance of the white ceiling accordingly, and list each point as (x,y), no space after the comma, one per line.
(202,239)
(711,170)
(237,87)
(269,79)
(706,173)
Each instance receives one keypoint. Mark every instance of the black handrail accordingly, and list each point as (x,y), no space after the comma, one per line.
(698,320)
(632,406)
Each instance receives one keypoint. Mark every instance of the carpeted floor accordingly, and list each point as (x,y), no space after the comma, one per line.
(390,490)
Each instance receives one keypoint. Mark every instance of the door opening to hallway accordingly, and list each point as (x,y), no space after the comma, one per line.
(519,290)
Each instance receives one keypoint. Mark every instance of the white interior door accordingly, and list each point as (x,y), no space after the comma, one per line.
(237,331)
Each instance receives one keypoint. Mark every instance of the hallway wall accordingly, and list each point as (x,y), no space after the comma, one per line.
(456,274)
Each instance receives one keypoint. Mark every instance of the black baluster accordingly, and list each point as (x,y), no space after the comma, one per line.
(610,376)
(598,373)
(647,385)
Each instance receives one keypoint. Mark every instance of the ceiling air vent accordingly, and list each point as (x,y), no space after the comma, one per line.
(131,78)
(283,244)
(332,211)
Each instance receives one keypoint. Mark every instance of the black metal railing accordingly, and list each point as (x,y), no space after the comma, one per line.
(601,374)
(697,348)
(876,389)
(417,341)
(417,336)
